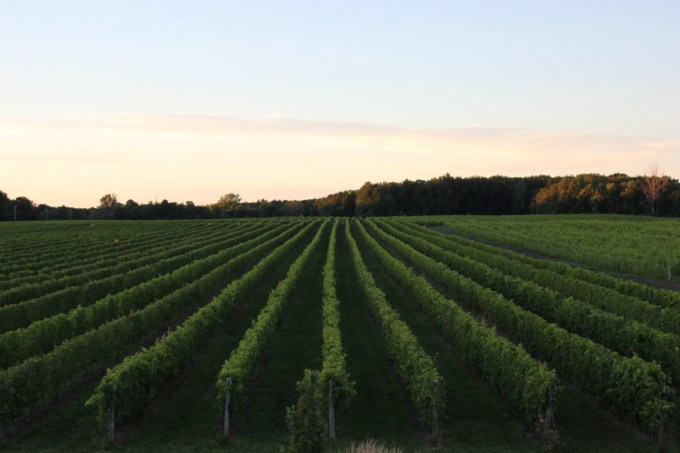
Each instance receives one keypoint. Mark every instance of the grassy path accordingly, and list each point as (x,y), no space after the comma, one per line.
(184,419)
(475,418)
(478,419)
(295,346)
(188,421)
(380,409)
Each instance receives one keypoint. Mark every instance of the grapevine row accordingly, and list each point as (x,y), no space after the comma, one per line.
(39,380)
(415,366)
(129,387)
(624,336)
(242,362)
(22,245)
(334,362)
(334,367)
(140,249)
(630,385)
(56,253)
(42,336)
(661,297)
(22,314)
(665,319)
(525,383)
(22,293)
(619,245)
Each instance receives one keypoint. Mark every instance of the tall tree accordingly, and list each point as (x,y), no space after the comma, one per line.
(367,198)
(227,204)
(108,201)
(25,209)
(5,207)
(653,185)
(108,204)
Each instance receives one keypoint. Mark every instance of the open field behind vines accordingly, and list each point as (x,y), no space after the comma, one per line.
(633,245)
(427,333)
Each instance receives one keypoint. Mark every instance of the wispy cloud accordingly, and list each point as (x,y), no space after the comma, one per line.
(481,150)
(61,158)
(201,157)
(278,126)
(516,139)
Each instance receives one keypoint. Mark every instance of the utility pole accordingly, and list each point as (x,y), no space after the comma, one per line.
(15,211)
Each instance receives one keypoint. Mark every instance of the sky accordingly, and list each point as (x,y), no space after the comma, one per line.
(189,100)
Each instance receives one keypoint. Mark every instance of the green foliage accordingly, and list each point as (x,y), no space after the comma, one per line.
(244,359)
(635,245)
(615,332)
(415,366)
(108,201)
(37,381)
(590,193)
(130,386)
(521,380)
(94,280)
(227,204)
(656,296)
(42,336)
(116,277)
(443,195)
(334,359)
(149,299)
(618,380)
(305,419)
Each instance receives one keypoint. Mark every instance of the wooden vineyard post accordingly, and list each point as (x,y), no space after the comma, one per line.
(548,421)
(331,410)
(111,425)
(664,438)
(436,434)
(548,431)
(227,398)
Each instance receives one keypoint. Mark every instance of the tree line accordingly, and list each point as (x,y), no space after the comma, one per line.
(586,193)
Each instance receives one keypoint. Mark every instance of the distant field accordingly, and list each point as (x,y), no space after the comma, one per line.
(139,330)
(642,246)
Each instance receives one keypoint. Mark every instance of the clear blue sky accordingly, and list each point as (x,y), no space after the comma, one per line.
(299,99)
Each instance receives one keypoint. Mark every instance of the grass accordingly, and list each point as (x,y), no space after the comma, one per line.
(186,419)
(476,417)
(183,420)
(371,446)
(295,347)
(381,408)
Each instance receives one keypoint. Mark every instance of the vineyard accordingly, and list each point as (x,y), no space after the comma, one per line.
(427,333)
(641,246)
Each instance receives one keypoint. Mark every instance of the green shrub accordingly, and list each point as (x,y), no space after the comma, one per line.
(305,420)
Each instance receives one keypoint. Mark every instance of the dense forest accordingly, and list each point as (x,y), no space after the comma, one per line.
(586,193)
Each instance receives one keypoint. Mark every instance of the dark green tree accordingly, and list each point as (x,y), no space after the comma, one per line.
(107,205)
(227,205)
(6,207)
(26,209)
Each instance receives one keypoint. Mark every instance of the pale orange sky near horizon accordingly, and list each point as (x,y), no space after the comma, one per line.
(75,160)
